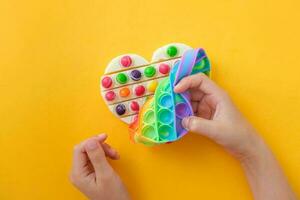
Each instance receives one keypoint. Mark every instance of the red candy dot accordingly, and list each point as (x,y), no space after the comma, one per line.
(126,61)
(106,82)
(139,90)
(164,68)
(134,106)
(109,96)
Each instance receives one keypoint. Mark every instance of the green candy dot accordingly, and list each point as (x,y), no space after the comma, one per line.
(121,78)
(172,51)
(150,71)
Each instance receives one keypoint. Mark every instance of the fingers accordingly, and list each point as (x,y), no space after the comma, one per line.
(80,158)
(97,157)
(201,126)
(200,81)
(110,152)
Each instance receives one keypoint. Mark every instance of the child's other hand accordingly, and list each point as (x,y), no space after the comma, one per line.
(92,174)
(217,117)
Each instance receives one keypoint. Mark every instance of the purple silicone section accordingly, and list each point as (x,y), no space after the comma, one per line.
(179,128)
(182,110)
(189,108)
(186,96)
(201,54)
(184,69)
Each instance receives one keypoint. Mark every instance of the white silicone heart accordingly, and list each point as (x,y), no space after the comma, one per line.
(130,79)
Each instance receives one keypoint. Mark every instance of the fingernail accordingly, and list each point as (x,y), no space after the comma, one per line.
(185,122)
(91,145)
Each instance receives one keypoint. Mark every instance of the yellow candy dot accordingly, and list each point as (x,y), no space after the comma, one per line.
(152,86)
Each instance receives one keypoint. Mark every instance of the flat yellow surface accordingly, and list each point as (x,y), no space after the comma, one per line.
(52,54)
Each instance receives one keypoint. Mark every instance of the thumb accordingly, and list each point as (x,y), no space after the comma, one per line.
(200,126)
(97,157)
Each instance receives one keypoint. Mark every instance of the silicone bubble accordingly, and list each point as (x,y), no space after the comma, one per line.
(166,100)
(149,131)
(182,110)
(149,117)
(165,116)
(160,118)
(165,131)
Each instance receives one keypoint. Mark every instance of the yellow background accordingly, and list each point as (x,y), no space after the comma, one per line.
(53,52)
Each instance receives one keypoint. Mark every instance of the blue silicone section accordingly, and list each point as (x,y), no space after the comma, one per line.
(164,111)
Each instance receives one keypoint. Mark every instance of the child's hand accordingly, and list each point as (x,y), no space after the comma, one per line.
(217,117)
(92,174)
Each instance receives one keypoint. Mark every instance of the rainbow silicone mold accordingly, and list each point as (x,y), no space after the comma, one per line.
(159,120)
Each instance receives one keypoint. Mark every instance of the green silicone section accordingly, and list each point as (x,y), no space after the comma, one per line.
(172,51)
(150,71)
(121,78)
(149,117)
(165,131)
(199,65)
(149,132)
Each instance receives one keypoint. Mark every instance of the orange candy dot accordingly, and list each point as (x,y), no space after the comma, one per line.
(124,92)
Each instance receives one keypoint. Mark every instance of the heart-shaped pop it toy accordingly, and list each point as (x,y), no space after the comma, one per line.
(141,93)
(130,79)
(160,119)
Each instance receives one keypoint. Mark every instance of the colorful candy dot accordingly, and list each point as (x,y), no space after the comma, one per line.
(139,90)
(120,109)
(135,75)
(124,92)
(121,78)
(110,95)
(164,68)
(106,82)
(152,86)
(150,71)
(172,51)
(126,61)
(134,106)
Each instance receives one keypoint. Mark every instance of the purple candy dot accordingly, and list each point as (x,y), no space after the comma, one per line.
(135,75)
(182,110)
(120,109)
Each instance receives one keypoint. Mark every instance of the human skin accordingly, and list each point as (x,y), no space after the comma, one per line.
(217,118)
